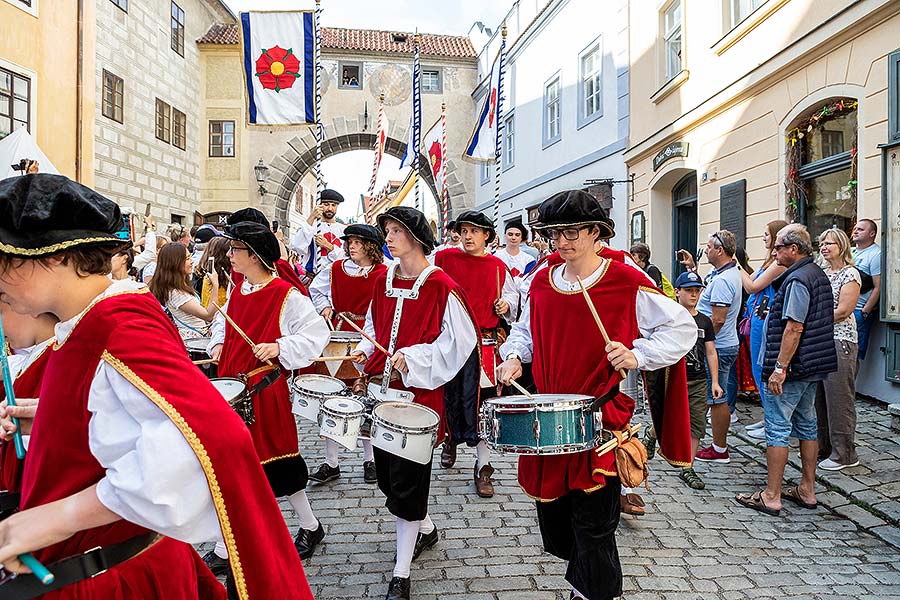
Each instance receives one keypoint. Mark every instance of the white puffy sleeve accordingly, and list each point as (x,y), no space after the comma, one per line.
(148,255)
(432,365)
(301,240)
(304,332)
(217,330)
(510,293)
(519,339)
(320,289)
(365,346)
(668,329)
(153,477)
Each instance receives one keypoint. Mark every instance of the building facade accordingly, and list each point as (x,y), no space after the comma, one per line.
(147,116)
(44,87)
(565,115)
(757,110)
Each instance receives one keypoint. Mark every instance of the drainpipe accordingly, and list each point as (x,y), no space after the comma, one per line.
(79,90)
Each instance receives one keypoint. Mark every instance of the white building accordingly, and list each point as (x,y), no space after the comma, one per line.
(566,111)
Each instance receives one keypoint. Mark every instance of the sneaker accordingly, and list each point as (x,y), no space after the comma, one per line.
(709,454)
(369,473)
(734,418)
(217,564)
(649,441)
(830,465)
(690,477)
(325,473)
(756,434)
(757,425)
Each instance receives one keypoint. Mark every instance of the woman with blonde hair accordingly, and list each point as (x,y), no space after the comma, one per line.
(217,250)
(759,286)
(836,396)
(171,284)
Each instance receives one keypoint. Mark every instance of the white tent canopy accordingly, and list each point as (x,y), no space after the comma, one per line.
(18,145)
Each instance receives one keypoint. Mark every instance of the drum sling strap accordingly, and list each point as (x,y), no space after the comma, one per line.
(269,379)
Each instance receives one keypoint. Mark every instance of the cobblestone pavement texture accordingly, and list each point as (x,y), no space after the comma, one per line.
(690,545)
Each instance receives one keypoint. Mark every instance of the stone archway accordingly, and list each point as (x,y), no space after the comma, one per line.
(344,135)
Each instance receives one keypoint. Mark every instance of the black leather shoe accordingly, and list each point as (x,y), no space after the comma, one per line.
(325,473)
(448,455)
(307,540)
(369,473)
(424,542)
(398,589)
(218,565)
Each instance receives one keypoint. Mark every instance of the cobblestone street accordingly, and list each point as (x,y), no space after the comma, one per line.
(689,545)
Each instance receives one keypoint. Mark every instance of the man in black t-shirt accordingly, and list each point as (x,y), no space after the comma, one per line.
(687,290)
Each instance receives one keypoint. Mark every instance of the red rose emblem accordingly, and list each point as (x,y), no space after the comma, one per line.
(277,68)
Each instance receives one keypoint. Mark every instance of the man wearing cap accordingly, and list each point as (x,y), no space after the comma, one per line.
(492,294)
(518,261)
(318,242)
(131,457)
(419,315)
(451,238)
(287,334)
(205,233)
(345,287)
(578,494)
(282,267)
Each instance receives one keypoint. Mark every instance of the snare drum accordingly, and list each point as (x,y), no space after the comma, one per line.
(234,391)
(197,351)
(309,391)
(406,430)
(342,343)
(543,424)
(340,419)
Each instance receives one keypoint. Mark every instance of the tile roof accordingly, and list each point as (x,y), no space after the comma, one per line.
(363,40)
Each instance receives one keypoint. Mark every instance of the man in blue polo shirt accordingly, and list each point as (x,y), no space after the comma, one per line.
(721,302)
(867,258)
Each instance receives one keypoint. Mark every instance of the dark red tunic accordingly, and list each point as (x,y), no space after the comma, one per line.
(60,463)
(352,294)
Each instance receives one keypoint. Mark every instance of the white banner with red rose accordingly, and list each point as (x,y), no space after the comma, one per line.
(279,64)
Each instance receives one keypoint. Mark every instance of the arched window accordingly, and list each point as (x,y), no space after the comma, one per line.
(821,150)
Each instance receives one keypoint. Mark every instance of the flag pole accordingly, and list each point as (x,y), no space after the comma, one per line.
(417,120)
(320,132)
(445,197)
(498,151)
(379,129)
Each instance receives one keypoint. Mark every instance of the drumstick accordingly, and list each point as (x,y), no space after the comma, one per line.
(10,394)
(37,569)
(615,442)
(587,298)
(330,325)
(364,334)
(238,329)
(206,361)
(330,358)
(516,385)
(499,296)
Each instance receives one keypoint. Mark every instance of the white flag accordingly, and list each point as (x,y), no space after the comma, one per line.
(433,148)
(483,144)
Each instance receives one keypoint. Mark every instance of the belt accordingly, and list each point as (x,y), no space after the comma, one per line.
(76,568)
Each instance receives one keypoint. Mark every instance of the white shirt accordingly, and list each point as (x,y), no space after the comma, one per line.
(668,330)
(149,253)
(300,243)
(320,288)
(20,360)
(518,263)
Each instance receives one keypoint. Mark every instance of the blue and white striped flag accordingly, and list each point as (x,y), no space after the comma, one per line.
(279,64)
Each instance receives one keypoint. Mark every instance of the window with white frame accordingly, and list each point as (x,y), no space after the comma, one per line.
(485,172)
(672,40)
(738,10)
(509,141)
(590,85)
(431,81)
(552,111)
(15,102)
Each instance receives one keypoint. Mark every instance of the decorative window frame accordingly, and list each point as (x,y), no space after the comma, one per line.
(440,74)
(583,118)
(546,139)
(350,63)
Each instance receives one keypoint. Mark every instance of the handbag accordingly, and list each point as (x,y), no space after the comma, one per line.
(744,327)
(631,461)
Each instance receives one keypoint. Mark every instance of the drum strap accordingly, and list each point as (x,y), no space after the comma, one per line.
(274,372)
(401,295)
(599,402)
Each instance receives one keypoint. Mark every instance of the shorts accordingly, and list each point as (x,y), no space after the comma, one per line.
(405,484)
(727,358)
(697,406)
(792,414)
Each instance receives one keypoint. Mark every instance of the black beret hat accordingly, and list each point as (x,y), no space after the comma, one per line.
(249,214)
(573,208)
(259,239)
(364,232)
(478,219)
(42,214)
(330,195)
(517,224)
(414,221)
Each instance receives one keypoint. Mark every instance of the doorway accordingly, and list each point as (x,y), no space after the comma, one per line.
(684,220)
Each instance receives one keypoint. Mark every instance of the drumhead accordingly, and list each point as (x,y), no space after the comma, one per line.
(322,384)
(346,336)
(229,387)
(405,414)
(344,406)
(197,344)
(546,402)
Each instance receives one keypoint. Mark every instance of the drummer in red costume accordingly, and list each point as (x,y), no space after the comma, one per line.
(578,494)
(492,294)
(345,287)
(95,487)
(432,339)
(287,334)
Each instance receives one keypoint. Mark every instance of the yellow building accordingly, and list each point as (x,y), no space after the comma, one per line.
(748,111)
(46,81)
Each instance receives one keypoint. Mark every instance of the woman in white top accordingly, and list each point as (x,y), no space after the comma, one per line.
(171,285)
(836,398)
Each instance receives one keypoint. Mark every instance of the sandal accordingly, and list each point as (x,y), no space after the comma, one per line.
(755,501)
(792,493)
(633,504)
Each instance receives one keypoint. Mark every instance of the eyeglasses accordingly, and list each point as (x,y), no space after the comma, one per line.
(780,246)
(232,248)
(828,243)
(570,233)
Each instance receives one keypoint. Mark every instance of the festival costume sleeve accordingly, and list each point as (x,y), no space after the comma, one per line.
(217,330)
(300,241)
(519,339)
(320,289)
(148,255)
(128,435)
(510,293)
(305,332)
(669,332)
(432,365)
(365,346)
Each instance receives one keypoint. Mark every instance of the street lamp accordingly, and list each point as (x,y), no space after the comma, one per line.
(262,173)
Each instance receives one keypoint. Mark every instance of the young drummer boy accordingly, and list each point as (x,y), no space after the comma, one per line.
(132,458)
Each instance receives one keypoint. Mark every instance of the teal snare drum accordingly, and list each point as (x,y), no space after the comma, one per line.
(542,424)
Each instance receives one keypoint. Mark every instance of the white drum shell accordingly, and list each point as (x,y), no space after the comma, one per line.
(406,430)
(309,391)
(340,419)
(230,388)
